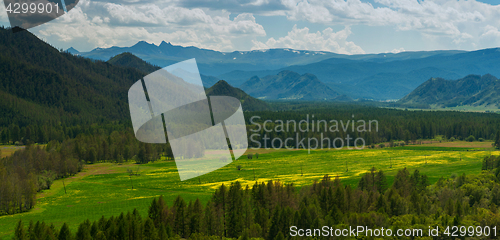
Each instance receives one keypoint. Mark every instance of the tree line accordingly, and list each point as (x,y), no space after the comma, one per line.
(268,210)
(29,171)
(393,125)
(34,168)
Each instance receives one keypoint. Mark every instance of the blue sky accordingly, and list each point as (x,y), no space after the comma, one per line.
(341,26)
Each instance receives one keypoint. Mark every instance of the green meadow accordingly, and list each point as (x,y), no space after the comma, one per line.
(108,189)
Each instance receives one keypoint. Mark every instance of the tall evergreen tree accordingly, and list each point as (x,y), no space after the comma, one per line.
(20,232)
(497,140)
(235,210)
(64,233)
(150,232)
(381,181)
(180,216)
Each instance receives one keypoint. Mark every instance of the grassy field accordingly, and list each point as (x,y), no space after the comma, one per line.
(8,150)
(106,188)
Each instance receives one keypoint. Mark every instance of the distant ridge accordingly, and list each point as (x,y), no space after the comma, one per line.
(472,90)
(288,85)
(72,51)
(383,76)
(222,88)
(127,59)
(210,62)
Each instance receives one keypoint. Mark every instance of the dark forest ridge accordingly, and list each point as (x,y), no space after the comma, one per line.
(39,84)
(473,90)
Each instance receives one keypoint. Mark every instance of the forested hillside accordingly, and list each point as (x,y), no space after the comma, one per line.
(269,210)
(473,90)
(58,86)
(129,60)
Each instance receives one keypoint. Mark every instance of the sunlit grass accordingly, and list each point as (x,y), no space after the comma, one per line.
(107,189)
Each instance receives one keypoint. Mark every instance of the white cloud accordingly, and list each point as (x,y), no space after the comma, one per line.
(459,21)
(490,34)
(154,14)
(444,24)
(127,25)
(397,50)
(302,39)
(243,24)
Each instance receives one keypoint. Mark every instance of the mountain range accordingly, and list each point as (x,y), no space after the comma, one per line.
(367,76)
(210,62)
(127,59)
(389,80)
(286,85)
(473,90)
(219,88)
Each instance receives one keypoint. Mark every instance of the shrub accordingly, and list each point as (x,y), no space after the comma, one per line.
(257,155)
(249,156)
(481,139)
(238,167)
(470,138)
(381,145)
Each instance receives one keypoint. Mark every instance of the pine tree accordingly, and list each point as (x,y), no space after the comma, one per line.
(280,236)
(180,216)
(162,232)
(83,232)
(64,233)
(94,229)
(149,232)
(122,229)
(235,210)
(336,215)
(196,216)
(20,233)
(381,203)
(497,140)
(154,212)
(274,229)
(381,181)
(100,236)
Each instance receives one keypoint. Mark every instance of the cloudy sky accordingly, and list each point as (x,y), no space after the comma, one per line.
(341,26)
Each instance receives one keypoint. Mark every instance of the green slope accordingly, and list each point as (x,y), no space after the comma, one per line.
(473,90)
(58,83)
(130,60)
